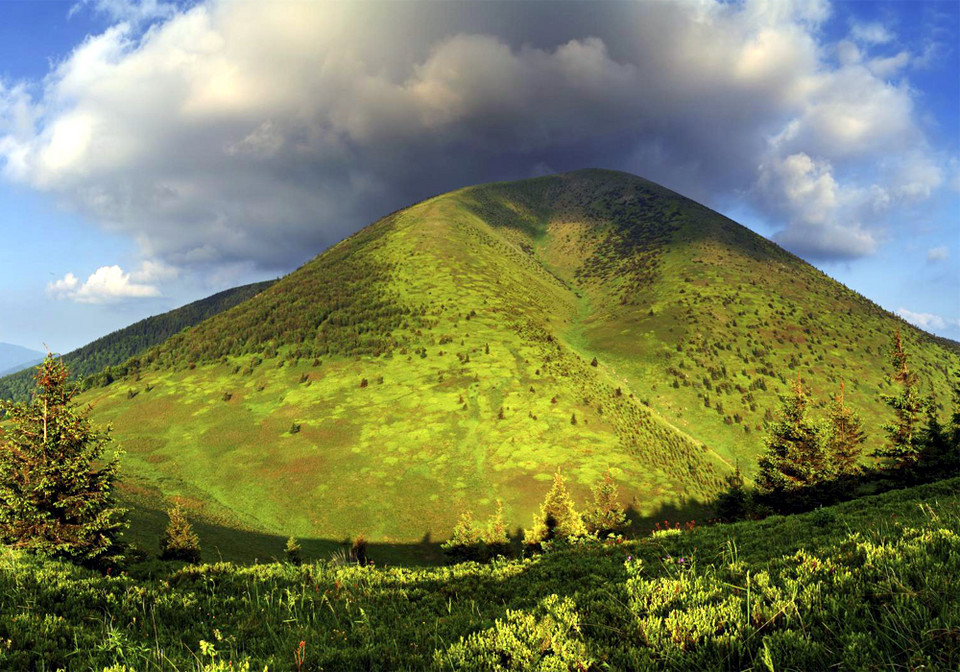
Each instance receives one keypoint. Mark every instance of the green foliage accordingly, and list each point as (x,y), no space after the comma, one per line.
(358,551)
(735,502)
(606,515)
(901,450)
(546,640)
(179,542)
(462,304)
(794,457)
(867,585)
(558,518)
(102,361)
(472,542)
(293,551)
(56,491)
(845,438)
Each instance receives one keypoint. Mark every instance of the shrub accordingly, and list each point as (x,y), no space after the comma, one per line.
(292,551)
(558,517)
(607,515)
(358,551)
(179,541)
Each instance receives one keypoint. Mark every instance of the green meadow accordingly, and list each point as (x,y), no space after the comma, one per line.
(459,351)
(866,585)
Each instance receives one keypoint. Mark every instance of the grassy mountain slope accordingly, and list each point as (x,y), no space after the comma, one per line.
(119,346)
(866,585)
(443,358)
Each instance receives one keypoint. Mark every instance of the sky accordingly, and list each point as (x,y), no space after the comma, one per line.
(153,153)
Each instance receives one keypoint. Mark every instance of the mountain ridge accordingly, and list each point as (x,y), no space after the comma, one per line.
(467,346)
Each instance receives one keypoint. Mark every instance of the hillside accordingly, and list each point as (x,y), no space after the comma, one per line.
(460,350)
(15,357)
(119,346)
(867,585)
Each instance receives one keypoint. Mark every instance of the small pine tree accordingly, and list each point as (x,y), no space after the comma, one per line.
(495,538)
(558,517)
(938,452)
(845,438)
(292,551)
(607,515)
(179,542)
(358,551)
(56,491)
(461,546)
(901,451)
(734,502)
(794,456)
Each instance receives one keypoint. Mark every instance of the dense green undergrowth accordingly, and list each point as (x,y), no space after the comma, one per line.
(866,585)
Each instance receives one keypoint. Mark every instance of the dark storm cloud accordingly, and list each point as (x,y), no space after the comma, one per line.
(239,132)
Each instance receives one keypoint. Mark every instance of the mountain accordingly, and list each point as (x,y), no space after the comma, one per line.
(458,351)
(15,357)
(117,347)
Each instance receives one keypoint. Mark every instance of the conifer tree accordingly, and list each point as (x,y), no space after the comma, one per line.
(292,551)
(558,517)
(901,450)
(56,485)
(179,541)
(845,438)
(495,537)
(794,456)
(607,515)
(734,502)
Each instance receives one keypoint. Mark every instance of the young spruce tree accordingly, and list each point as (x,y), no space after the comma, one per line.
(901,450)
(56,485)
(607,515)
(558,517)
(845,438)
(794,457)
(179,542)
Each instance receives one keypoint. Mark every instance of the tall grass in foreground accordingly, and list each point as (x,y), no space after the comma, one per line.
(866,585)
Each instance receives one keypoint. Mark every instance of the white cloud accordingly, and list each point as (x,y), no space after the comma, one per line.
(871,33)
(939,253)
(926,321)
(108,284)
(887,66)
(129,11)
(239,132)
(822,215)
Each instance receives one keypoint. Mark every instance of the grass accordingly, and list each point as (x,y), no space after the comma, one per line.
(865,585)
(495,298)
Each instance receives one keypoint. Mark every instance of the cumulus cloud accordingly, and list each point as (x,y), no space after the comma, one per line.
(130,11)
(940,253)
(871,32)
(109,284)
(926,321)
(233,132)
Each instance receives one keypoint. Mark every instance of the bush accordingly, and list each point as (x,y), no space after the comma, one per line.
(179,541)
(358,551)
(292,551)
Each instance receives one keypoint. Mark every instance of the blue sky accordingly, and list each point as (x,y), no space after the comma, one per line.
(152,153)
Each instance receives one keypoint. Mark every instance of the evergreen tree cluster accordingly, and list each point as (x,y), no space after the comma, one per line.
(809,463)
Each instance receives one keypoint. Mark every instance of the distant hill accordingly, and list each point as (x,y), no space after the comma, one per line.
(119,346)
(461,350)
(15,357)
